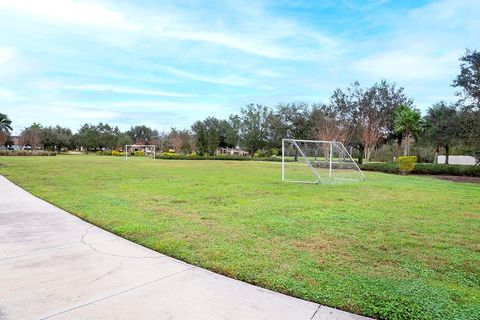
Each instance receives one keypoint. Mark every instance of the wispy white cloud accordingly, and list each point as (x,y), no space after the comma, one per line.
(6,54)
(5,93)
(87,13)
(10,95)
(265,37)
(240,42)
(217,107)
(231,80)
(127,90)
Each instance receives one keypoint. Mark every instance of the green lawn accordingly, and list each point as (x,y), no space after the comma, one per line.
(392,247)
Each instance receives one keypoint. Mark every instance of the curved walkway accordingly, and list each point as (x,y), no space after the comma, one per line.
(54,265)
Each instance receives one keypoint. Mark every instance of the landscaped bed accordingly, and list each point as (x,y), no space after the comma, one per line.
(26,153)
(392,247)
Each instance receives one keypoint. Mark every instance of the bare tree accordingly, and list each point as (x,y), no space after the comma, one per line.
(175,140)
(328,124)
(32,136)
(4,137)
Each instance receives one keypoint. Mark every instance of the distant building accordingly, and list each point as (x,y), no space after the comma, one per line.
(14,143)
(466,160)
(237,151)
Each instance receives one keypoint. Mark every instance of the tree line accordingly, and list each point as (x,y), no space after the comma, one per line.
(363,118)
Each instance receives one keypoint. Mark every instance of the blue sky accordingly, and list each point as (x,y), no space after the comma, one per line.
(168,63)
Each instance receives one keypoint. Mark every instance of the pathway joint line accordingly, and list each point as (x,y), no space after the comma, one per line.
(116,294)
(52,249)
(315,313)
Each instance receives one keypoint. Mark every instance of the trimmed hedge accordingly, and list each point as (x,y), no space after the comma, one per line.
(26,153)
(426,168)
(222,157)
(406,164)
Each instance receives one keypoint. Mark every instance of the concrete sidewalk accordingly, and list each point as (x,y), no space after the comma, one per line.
(54,265)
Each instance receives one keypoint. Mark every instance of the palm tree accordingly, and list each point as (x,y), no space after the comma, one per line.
(5,123)
(407,123)
(5,128)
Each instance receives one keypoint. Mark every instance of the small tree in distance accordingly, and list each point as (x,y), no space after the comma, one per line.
(32,136)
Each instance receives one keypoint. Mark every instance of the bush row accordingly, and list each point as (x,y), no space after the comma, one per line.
(171,156)
(193,156)
(116,153)
(26,153)
(426,168)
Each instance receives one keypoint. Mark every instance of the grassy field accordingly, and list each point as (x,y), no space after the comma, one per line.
(392,247)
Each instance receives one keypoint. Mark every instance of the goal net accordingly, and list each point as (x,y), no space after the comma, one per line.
(311,161)
(140,150)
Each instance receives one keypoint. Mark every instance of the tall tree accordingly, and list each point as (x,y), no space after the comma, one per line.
(122,140)
(254,128)
(291,120)
(228,134)
(200,131)
(469,81)
(143,134)
(232,135)
(213,134)
(88,137)
(441,126)
(207,134)
(108,136)
(469,78)
(56,138)
(407,123)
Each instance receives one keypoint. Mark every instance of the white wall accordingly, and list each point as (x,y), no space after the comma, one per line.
(468,160)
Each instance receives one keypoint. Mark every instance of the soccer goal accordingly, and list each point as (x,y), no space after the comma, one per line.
(148,150)
(311,161)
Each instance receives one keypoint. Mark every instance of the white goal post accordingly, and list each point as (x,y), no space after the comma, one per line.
(313,161)
(148,149)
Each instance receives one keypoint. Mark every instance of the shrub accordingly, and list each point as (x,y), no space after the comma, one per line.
(26,153)
(260,154)
(109,153)
(273,152)
(104,153)
(406,164)
(139,153)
